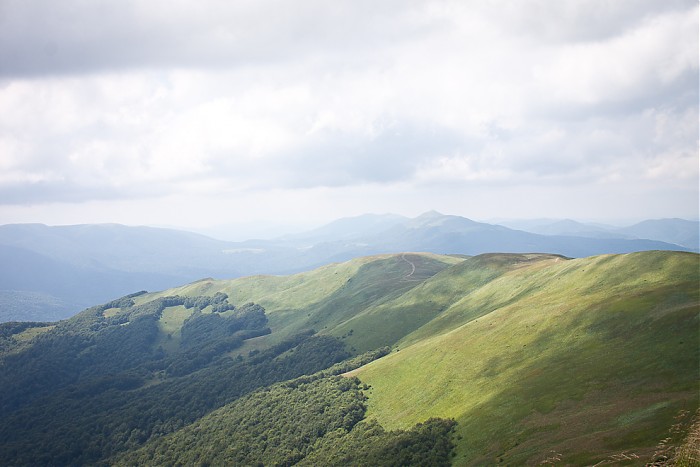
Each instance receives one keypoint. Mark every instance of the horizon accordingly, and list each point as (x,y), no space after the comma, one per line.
(271,230)
(204,115)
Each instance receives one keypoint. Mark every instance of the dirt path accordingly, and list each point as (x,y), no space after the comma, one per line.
(413,266)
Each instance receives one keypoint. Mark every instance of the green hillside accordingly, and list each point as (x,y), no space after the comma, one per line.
(327,299)
(264,428)
(580,360)
(536,357)
(419,309)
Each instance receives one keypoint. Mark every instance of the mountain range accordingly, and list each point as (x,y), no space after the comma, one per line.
(678,231)
(392,359)
(49,273)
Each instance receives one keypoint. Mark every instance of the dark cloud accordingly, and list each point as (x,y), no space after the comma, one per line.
(44,37)
(40,37)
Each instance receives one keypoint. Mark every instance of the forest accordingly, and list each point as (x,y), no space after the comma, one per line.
(99,389)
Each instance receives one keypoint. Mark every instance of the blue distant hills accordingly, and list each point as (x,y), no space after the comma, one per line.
(49,273)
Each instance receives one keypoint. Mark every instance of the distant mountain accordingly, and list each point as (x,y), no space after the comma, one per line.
(440,233)
(54,272)
(681,232)
(566,227)
(60,270)
(122,248)
(349,228)
(37,287)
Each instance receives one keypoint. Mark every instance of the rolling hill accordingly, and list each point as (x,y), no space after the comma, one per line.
(584,358)
(52,272)
(536,357)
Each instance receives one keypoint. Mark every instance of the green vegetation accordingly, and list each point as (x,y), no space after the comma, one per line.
(518,360)
(508,358)
(427,443)
(99,384)
(263,428)
(13,334)
(96,418)
(327,299)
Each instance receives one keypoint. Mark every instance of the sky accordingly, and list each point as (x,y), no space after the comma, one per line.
(205,113)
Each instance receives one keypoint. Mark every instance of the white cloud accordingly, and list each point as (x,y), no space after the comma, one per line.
(148,99)
(642,61)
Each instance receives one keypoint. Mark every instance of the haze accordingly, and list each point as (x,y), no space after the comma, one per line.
(198,114)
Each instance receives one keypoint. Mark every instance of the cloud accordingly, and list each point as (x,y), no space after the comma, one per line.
(392,152)
(579,21)
(40,37)
(121,100)
(642,65)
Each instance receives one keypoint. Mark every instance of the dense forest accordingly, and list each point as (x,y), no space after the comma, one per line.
(101,388)
(308,421)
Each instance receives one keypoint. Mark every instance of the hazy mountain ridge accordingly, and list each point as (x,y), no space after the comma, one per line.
(679,231)
(685,233)
(75,266)
(514,347)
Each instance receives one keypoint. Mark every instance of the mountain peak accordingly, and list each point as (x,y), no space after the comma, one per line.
(432,214)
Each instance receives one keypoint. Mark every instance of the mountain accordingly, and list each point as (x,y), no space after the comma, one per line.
(39,288)
(347,229)
(496,358)
(681,232)
(453,234)
(552,359)
(121,248)
(52,272)
(568,227)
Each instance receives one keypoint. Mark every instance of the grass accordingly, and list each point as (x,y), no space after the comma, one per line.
(31,333)
(410,311)
(170,324)
(539,358)
(688,453)
(110,312)
(377,280)
(584,357)
(325,299)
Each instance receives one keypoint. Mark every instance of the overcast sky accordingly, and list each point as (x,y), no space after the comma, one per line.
(199,113)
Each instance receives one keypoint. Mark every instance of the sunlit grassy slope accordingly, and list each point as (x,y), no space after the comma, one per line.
(323,299)
(541,357)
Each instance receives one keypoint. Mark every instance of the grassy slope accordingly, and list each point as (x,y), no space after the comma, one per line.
(169,326)
(323,299)
(420,308)
(534,355)
(582,358)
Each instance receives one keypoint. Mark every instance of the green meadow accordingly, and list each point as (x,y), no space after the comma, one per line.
(575,359)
